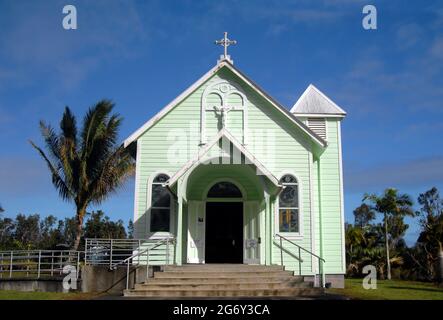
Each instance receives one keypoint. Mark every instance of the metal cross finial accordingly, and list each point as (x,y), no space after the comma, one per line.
(225,42)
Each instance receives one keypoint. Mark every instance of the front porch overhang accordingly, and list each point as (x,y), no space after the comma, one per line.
(225,156)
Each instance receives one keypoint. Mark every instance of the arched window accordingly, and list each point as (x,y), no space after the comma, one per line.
(288,212)
(224,189)
(160,204)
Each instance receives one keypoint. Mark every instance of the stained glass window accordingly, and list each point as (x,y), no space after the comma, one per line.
(288,205)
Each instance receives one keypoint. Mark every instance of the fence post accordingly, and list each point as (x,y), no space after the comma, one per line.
(299,261)
(10,266)
(39,261)
(86,248)
(281,251)
(323,279)
(1,268)
(27,266)
(147,264)
(78,263)
(127,275)
(320,274)
(61,262)
(110,258)
(167,251)
(52,263)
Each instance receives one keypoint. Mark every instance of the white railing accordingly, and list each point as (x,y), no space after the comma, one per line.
(320,260)
(37,264)
(47,264)
(112,251)
(136,260)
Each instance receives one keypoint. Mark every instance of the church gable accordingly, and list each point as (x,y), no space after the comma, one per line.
(224,100)
(224,89)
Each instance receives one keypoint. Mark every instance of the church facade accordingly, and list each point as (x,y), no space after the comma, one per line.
(235,177)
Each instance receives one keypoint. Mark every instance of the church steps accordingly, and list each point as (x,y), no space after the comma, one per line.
(221,280)
(224,281)
(225,274)
(222,286)
(222,268)
(201,293)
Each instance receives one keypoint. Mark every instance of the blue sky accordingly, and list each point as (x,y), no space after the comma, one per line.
(142,54)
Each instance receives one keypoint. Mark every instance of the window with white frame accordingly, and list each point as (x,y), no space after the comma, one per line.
(288,205)
(160,205)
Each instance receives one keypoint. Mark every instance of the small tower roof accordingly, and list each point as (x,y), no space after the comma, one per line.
(314,102)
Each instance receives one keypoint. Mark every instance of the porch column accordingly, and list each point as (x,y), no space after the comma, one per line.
(269,236)
(179,237)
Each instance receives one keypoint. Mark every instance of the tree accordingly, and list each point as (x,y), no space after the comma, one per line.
(363,215)
(355,238)
(86,167)
(1,209)
(6,233)
(100,226)
(130,229)
(391,205)
(431,236)
(27,231)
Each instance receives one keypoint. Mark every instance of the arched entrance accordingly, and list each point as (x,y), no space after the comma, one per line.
(206,198)
(224,224)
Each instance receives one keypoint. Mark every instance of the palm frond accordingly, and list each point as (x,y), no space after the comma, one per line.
(93,124)
(64,191)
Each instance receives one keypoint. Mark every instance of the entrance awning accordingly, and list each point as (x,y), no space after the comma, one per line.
(204,156)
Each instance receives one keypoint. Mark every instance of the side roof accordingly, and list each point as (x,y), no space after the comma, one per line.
(315,102)
(224,63)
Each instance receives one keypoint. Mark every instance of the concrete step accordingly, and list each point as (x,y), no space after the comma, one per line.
(222,268)
(225,274)
(204,280)
(223,286)
(224,280)
(200,293)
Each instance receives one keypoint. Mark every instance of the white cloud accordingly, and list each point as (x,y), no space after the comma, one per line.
(416,173)
(34,41)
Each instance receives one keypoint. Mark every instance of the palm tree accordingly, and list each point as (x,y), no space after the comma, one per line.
(88,166)
(355,239)
(390,204)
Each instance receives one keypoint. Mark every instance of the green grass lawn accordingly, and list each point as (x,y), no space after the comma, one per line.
(391,290)
(21,295)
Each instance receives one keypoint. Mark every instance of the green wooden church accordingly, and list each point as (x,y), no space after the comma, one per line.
(236,178)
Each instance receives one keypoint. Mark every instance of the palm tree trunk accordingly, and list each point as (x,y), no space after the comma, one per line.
(388,262)
(79,228)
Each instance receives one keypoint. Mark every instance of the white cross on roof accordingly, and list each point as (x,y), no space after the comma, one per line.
(225,42)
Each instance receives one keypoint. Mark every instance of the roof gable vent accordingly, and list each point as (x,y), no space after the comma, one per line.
(318,125)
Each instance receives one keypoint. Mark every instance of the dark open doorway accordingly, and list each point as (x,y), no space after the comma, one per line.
(224,232)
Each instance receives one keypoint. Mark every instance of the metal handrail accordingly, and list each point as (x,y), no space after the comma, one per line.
(37,263)
(300,260)
(109,251)
(139,253)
